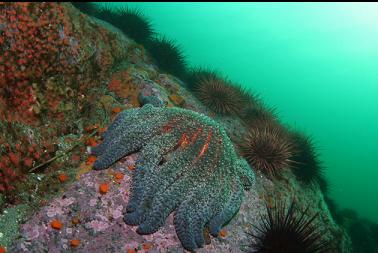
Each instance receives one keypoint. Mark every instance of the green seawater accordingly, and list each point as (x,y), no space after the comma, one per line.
(317,63)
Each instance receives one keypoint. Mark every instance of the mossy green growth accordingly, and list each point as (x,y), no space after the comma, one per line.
(10,221)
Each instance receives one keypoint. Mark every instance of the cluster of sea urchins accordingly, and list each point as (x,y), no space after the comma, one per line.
(266,146)
(166,53)
(131,22)
(287,230)
(270,147)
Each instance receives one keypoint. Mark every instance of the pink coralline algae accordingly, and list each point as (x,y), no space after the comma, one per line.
(98,226)
(101,227)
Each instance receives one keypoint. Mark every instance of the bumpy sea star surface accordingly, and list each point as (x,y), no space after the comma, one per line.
(186,164)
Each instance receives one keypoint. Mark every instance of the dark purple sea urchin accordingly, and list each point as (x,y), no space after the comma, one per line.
(220,95)
(307,165)
(257,112)
(131,22)
(287,231)
(168,56)
(267,148)
(196,74)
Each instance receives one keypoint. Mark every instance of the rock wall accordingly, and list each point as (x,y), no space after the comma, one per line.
(65,75)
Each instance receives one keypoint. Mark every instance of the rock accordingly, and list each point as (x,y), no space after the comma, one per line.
(112,71)
(101,227)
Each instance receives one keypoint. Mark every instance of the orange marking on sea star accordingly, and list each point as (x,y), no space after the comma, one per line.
(195,135)
(169,126)
(204,147)
(184,141)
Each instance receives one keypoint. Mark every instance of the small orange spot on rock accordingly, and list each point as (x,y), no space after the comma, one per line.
(91,159)
(223,233)
(102,130)
(56,224)
(28,162)
(117,109)
(131,251)
(37,155)
(62,178)
(91,128)
(75,220)
(118,177)
(104,188)
(91,142)
(15,159)
(2,249)
(75,243)
(147,245)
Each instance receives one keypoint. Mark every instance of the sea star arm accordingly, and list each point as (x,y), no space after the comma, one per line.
(194,213)
(119,123)
(228,212)
(149,158)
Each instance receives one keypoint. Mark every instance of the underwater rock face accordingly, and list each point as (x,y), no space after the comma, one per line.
(187,164)
(51,54)
(115,73)
(100,226)
(53,60)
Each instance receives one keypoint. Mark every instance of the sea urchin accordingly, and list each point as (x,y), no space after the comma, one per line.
(256,112)
(195,75)
(168,56)
(220,95)
(131,22)
(307,166)
(287,231)
(267,148)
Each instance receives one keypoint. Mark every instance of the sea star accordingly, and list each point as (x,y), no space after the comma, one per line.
(187,164)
